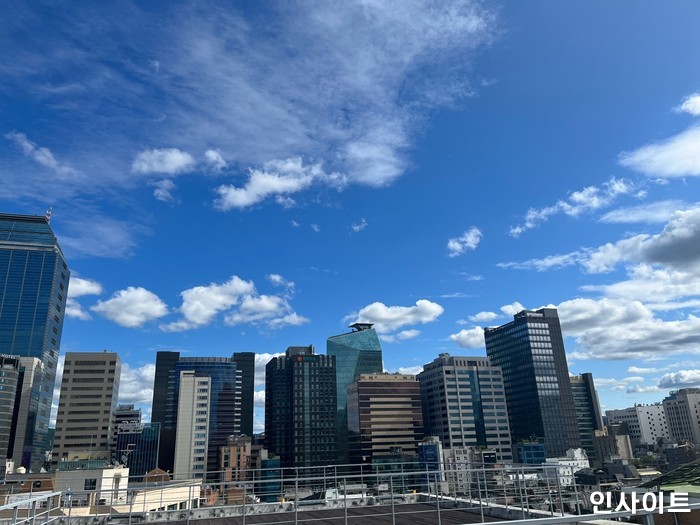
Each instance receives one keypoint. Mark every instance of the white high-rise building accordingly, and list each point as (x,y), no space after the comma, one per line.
(682,409)
(192,433)
(646,423)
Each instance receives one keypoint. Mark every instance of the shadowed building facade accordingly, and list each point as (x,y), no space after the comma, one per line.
(34,280)
(530,351)
(300,409)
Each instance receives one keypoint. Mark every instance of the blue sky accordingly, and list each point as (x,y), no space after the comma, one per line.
(248,176)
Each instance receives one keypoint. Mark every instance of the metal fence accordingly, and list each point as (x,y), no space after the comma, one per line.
(393,493)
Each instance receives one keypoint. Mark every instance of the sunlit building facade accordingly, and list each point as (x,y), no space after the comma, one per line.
(34,280)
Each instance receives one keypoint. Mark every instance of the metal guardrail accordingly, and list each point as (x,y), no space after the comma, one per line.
(519,494)
(34,510)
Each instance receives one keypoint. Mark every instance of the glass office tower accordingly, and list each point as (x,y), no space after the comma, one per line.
(33,292)
(530,351)
(224,405)
(357,352)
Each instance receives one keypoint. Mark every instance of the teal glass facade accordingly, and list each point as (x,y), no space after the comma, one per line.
(357,352)
(34,280)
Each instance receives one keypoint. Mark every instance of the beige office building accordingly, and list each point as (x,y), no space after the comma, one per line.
(87,406)
(192,433)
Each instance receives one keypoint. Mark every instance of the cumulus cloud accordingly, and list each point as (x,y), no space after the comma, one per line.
(390,319)
(484,317)
(41,155)
(276,177)
(588,199)
(512,308)
(259,399)
(408,370)
(136,386)
(132,307)
(690,105)
(678,156)
(215,160)
(400,336)
(164,189)
(469,240)
(469,338)
(166,160)
(261,361)
(357,227)
(240,301)
(270,310)
(681,379)
(79,287)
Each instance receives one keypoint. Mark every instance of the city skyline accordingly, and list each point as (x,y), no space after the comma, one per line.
(248,178)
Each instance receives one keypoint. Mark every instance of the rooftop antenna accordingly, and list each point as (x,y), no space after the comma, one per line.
(48,214)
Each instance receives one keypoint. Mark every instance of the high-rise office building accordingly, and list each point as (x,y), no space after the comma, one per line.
(357,352)
(530,351)
(646,423)
(30,370)
(300,408)
(192,442)
(587,407)
(87,406)
(682,408)
(245,361)
(224,412)
(464,404)
(33,292)
(384,414)
(165,364)
(124,414)
(9,377)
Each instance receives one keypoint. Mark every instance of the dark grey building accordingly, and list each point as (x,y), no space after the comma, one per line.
(137,448)
(588,413)
(530,351)
(9,377)
(33,292)
(300,408)
(165,364)
(245,361)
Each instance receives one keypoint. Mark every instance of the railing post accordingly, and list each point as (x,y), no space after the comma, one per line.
(437,499)
(561,498)
(296,497)
(391,489)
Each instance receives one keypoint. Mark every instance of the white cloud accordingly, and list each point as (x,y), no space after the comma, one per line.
(132,307)
(294,223)
(278,280)
(164,189)
(389,319)
(215,160)
(588,199)
(259,398)
(469,240)
(271,311)
(690,105)
(316,228)
(469,338)
(636,389)
(165,160)
(136,386)
(651,213)
(484,317)
(512,308)
(643,370)
(400,336)
(201,304)
(678,156)
(277,177)
(357,227)
(41,155)
(550,262)
(240,301)
(681,379)
(261,361)
(94,235)
(409,370)
(79,287)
